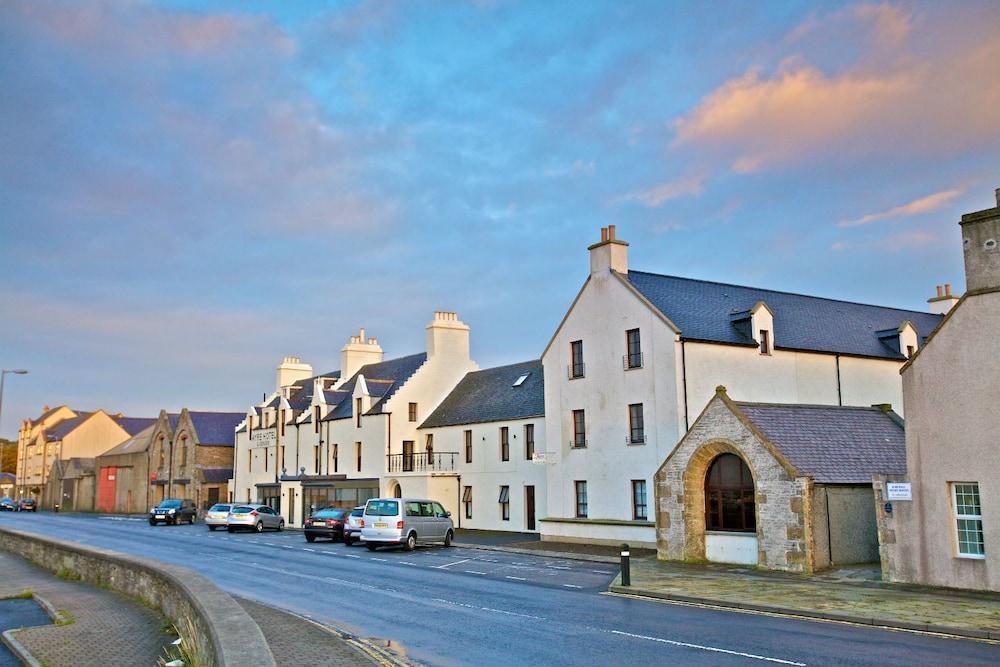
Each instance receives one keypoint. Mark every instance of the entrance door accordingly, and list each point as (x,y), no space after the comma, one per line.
(291,506)
(529,505)
(107,489)
(407,456)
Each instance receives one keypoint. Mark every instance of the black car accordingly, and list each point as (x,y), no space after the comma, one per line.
(7,504)
(27,505)
(327,522)
(173,511)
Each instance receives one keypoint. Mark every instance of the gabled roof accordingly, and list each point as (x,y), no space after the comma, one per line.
(48,413)
(216,428)
(137,443)
(134,425)
(66,426)
(490,395)
(702,311)
(832,444)
(7,478)
(383,379)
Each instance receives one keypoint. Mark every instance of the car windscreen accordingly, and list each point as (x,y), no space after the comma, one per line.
(329,514)
(170,504)
(242,510)
(382,508)
(220,508)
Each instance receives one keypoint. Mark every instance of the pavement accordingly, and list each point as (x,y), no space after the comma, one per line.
(439,606)
(840,595)
(99,627)
(531,544)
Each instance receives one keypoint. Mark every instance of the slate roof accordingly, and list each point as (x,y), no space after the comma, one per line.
(217,475)
(74,468)
(47,414)
(489,395)
(66,426)
(134,425)
(7,478)
(216,428)
(833,444)
(702,310)
(383,379)
(137,443)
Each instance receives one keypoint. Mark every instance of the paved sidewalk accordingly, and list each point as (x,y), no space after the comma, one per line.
(530,543)
(103,628)
(856,601)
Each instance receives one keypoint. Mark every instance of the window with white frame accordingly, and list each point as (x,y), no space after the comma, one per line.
(968,520)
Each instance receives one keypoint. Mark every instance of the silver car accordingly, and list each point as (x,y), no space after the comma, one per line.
(217,515)
(405,521)
(352,529)
(253,517)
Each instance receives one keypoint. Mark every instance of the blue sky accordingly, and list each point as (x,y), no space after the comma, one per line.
(191,190)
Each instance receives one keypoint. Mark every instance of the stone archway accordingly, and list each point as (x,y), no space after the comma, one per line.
(694,494)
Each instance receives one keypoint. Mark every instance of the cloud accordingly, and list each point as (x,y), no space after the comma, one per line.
(660,194)
(916,207)
(907,240)
(883,105)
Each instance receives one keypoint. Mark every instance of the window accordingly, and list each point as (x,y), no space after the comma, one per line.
(969,520)
(639,500)
(184,453)
(336,454)
(357,411)
(581,499)
(407,456)
(249,460)
(467,501)
(636,430)
(281,461)
(468,446)
(357,454)
(429,448)
(529,441)
(265,458)
(162,458)
(316,457)
(579,429)
(729,496)
(505,503)
(281,422)
(316,419)
(576,367)
(765,341)
(521,378)
(504,443)
(413,412)
(909,351)
(633,349)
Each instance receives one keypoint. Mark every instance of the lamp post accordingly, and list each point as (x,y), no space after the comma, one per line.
(3,375)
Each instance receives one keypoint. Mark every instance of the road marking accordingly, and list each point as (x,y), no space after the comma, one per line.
(516,578)
(472,572)
(307,549)
(384,560)
(441,567)
(572,586)
(344,555)
(406,562)
(708,648)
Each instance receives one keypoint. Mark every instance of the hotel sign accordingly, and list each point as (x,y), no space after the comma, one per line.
(264,437)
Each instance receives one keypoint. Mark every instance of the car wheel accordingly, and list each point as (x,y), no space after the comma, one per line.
(371,547)
(152,523)
(310,538)
(259,527)
(348,540)
(212,528)
(448,537)
(281,525)
(230,529)
(411,542)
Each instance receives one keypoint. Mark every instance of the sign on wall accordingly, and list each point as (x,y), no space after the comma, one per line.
(266,437)
(898,491)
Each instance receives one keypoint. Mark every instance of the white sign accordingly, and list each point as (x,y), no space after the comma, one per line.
(898,491)
(538,457)
(263,437)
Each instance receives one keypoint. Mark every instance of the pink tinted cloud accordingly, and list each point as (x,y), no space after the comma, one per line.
(919,206)
(658,195)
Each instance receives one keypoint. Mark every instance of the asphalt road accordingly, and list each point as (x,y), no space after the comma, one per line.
(472,607)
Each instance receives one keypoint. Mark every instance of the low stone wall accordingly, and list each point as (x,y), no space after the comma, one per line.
(230,636)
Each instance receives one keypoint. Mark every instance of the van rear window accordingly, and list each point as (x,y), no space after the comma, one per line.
(382,508)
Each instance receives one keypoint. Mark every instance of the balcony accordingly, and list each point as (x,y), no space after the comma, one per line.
(632,361)
(423,462)
(635,438)
(575,371)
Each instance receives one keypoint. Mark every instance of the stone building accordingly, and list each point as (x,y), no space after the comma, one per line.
(70,484)
(948,533)
(780,486)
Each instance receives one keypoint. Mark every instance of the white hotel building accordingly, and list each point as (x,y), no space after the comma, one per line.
(567,446)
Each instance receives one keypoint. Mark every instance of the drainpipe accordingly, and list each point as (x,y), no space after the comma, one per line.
(684,379)
(840,400)
(458,505)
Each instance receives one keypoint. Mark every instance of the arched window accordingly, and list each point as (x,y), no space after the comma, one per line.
(397,492)
(729,496)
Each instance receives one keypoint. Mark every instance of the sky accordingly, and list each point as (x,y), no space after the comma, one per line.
(190,191)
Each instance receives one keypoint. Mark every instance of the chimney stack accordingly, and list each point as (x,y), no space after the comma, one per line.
(358,352)
(944,301)
(609,254)
(290,371)
(448,336)
(981,246)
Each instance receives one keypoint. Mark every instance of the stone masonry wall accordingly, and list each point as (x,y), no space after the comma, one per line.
(784,524)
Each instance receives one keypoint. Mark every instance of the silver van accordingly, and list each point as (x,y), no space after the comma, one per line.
(405,521)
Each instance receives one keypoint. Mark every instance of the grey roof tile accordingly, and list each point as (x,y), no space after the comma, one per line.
(66,426)
(703,310)
(383,379)
(133,425)
(489,395)
(833,444)
(216,428)
(217,475)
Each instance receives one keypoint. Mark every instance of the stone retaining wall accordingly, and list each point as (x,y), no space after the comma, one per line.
(230,636)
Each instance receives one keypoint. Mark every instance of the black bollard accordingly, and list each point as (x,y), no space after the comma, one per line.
(626,573)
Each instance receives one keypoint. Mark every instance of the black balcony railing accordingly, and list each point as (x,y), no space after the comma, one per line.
(423,462)
(574,371)
(632,360)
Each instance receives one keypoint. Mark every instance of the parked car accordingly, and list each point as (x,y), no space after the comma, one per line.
(7,504)
(173,511)
(405,521)
(254,517)
(352,527)
(327,522)
(28,505)
(217,516)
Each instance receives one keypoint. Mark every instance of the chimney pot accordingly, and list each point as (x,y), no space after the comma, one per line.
(940,291)
(611,232)
(947,289)
(997,193)
(604,234)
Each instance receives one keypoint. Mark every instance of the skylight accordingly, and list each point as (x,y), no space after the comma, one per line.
(519,381)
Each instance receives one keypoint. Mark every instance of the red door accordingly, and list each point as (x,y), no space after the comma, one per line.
(106,489)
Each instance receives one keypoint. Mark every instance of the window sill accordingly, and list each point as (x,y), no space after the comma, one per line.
(971,556)
(577,377)
(578,447)
(633,368)
(636,443)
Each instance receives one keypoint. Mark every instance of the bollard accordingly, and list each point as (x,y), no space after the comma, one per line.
(626,574)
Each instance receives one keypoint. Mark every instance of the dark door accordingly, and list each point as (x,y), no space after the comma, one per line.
(291,505)
(529,504)
(407,456)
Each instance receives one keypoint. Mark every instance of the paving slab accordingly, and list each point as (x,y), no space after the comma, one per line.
(102,627)
(826,597)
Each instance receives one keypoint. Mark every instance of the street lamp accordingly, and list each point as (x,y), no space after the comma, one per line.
(3,374)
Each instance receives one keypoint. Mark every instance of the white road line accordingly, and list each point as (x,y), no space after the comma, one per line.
(572,586)
(472,572)
(516,578)
(344,555)
(446,565)
(307,549)
(709,648)
(406,562)
(384,560)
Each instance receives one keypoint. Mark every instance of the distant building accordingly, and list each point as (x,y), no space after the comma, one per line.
(949,533)
(7,481)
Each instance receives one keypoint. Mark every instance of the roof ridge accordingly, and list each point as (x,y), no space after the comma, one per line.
(497,368)
(808,405)
(775,291)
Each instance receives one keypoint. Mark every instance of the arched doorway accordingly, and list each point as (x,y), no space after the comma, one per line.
(730,511)
(397,491)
